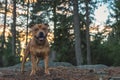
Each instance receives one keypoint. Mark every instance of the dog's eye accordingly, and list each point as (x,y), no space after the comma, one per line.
(36,29)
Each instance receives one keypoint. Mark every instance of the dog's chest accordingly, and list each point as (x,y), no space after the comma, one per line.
(40,52)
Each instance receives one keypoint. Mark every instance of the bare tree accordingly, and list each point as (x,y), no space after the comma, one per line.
(14,29)
(27,20)
(87,32)
(3,35)
(54,14)
(76,24)
(54,5)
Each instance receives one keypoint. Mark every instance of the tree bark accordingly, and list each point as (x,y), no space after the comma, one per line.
(27,21)
(14,29)
(76,23)
(87,33)
(3,33)
(3,36)
(54,18)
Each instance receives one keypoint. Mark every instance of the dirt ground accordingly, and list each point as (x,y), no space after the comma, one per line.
(62,73)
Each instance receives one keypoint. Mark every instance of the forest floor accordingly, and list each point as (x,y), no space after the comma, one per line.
(62,73)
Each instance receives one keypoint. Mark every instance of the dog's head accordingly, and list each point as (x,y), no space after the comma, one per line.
(39,32)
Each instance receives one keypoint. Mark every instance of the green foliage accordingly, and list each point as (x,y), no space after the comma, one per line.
(106,52)
(115,53)
(101,54)
(40,7)
(8,59)
(114,37)
(64,44)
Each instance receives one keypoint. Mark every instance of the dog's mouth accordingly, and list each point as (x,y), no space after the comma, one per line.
(40,37)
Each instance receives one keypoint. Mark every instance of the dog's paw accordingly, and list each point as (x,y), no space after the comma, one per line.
(47,72)
(22,71)
(32,73)
(38,69)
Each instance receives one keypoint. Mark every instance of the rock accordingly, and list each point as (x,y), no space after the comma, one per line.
(114,78)
(1,74)
(99,66)
(64,64)
(41,64)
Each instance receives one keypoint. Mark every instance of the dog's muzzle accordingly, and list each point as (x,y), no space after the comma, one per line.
(40,37)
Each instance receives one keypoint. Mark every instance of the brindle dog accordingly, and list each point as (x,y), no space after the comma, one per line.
(37,47)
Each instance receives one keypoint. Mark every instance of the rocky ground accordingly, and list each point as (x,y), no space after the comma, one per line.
(62,71)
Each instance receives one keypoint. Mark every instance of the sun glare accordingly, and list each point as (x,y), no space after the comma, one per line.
(101,14)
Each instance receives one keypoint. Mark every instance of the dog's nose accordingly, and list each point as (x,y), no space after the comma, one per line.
(41,34)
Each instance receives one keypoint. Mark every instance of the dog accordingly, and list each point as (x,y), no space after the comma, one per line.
(38,47)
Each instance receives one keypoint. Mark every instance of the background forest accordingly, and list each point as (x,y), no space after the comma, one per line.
(77,39)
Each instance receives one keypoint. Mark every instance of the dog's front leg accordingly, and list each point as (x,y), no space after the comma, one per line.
(24,60)
(37,62)
(33,60)
(46,65)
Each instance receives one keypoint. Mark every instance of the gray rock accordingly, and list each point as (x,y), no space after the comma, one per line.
(41,64)
(1,74)
(64,64)
(98,66)
(114,78)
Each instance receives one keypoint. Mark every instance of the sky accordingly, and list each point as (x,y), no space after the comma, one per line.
(101,14)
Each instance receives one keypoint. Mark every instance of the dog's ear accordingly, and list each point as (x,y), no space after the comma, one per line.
(31,25)
(31,28)
(46,24)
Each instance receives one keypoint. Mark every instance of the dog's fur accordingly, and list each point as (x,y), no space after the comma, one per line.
(37,47)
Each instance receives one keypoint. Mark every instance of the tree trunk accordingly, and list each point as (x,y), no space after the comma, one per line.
(14,29)
(27,21)
(54,14)
(76,24)
(54,19)
(87,33)
(3,36)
